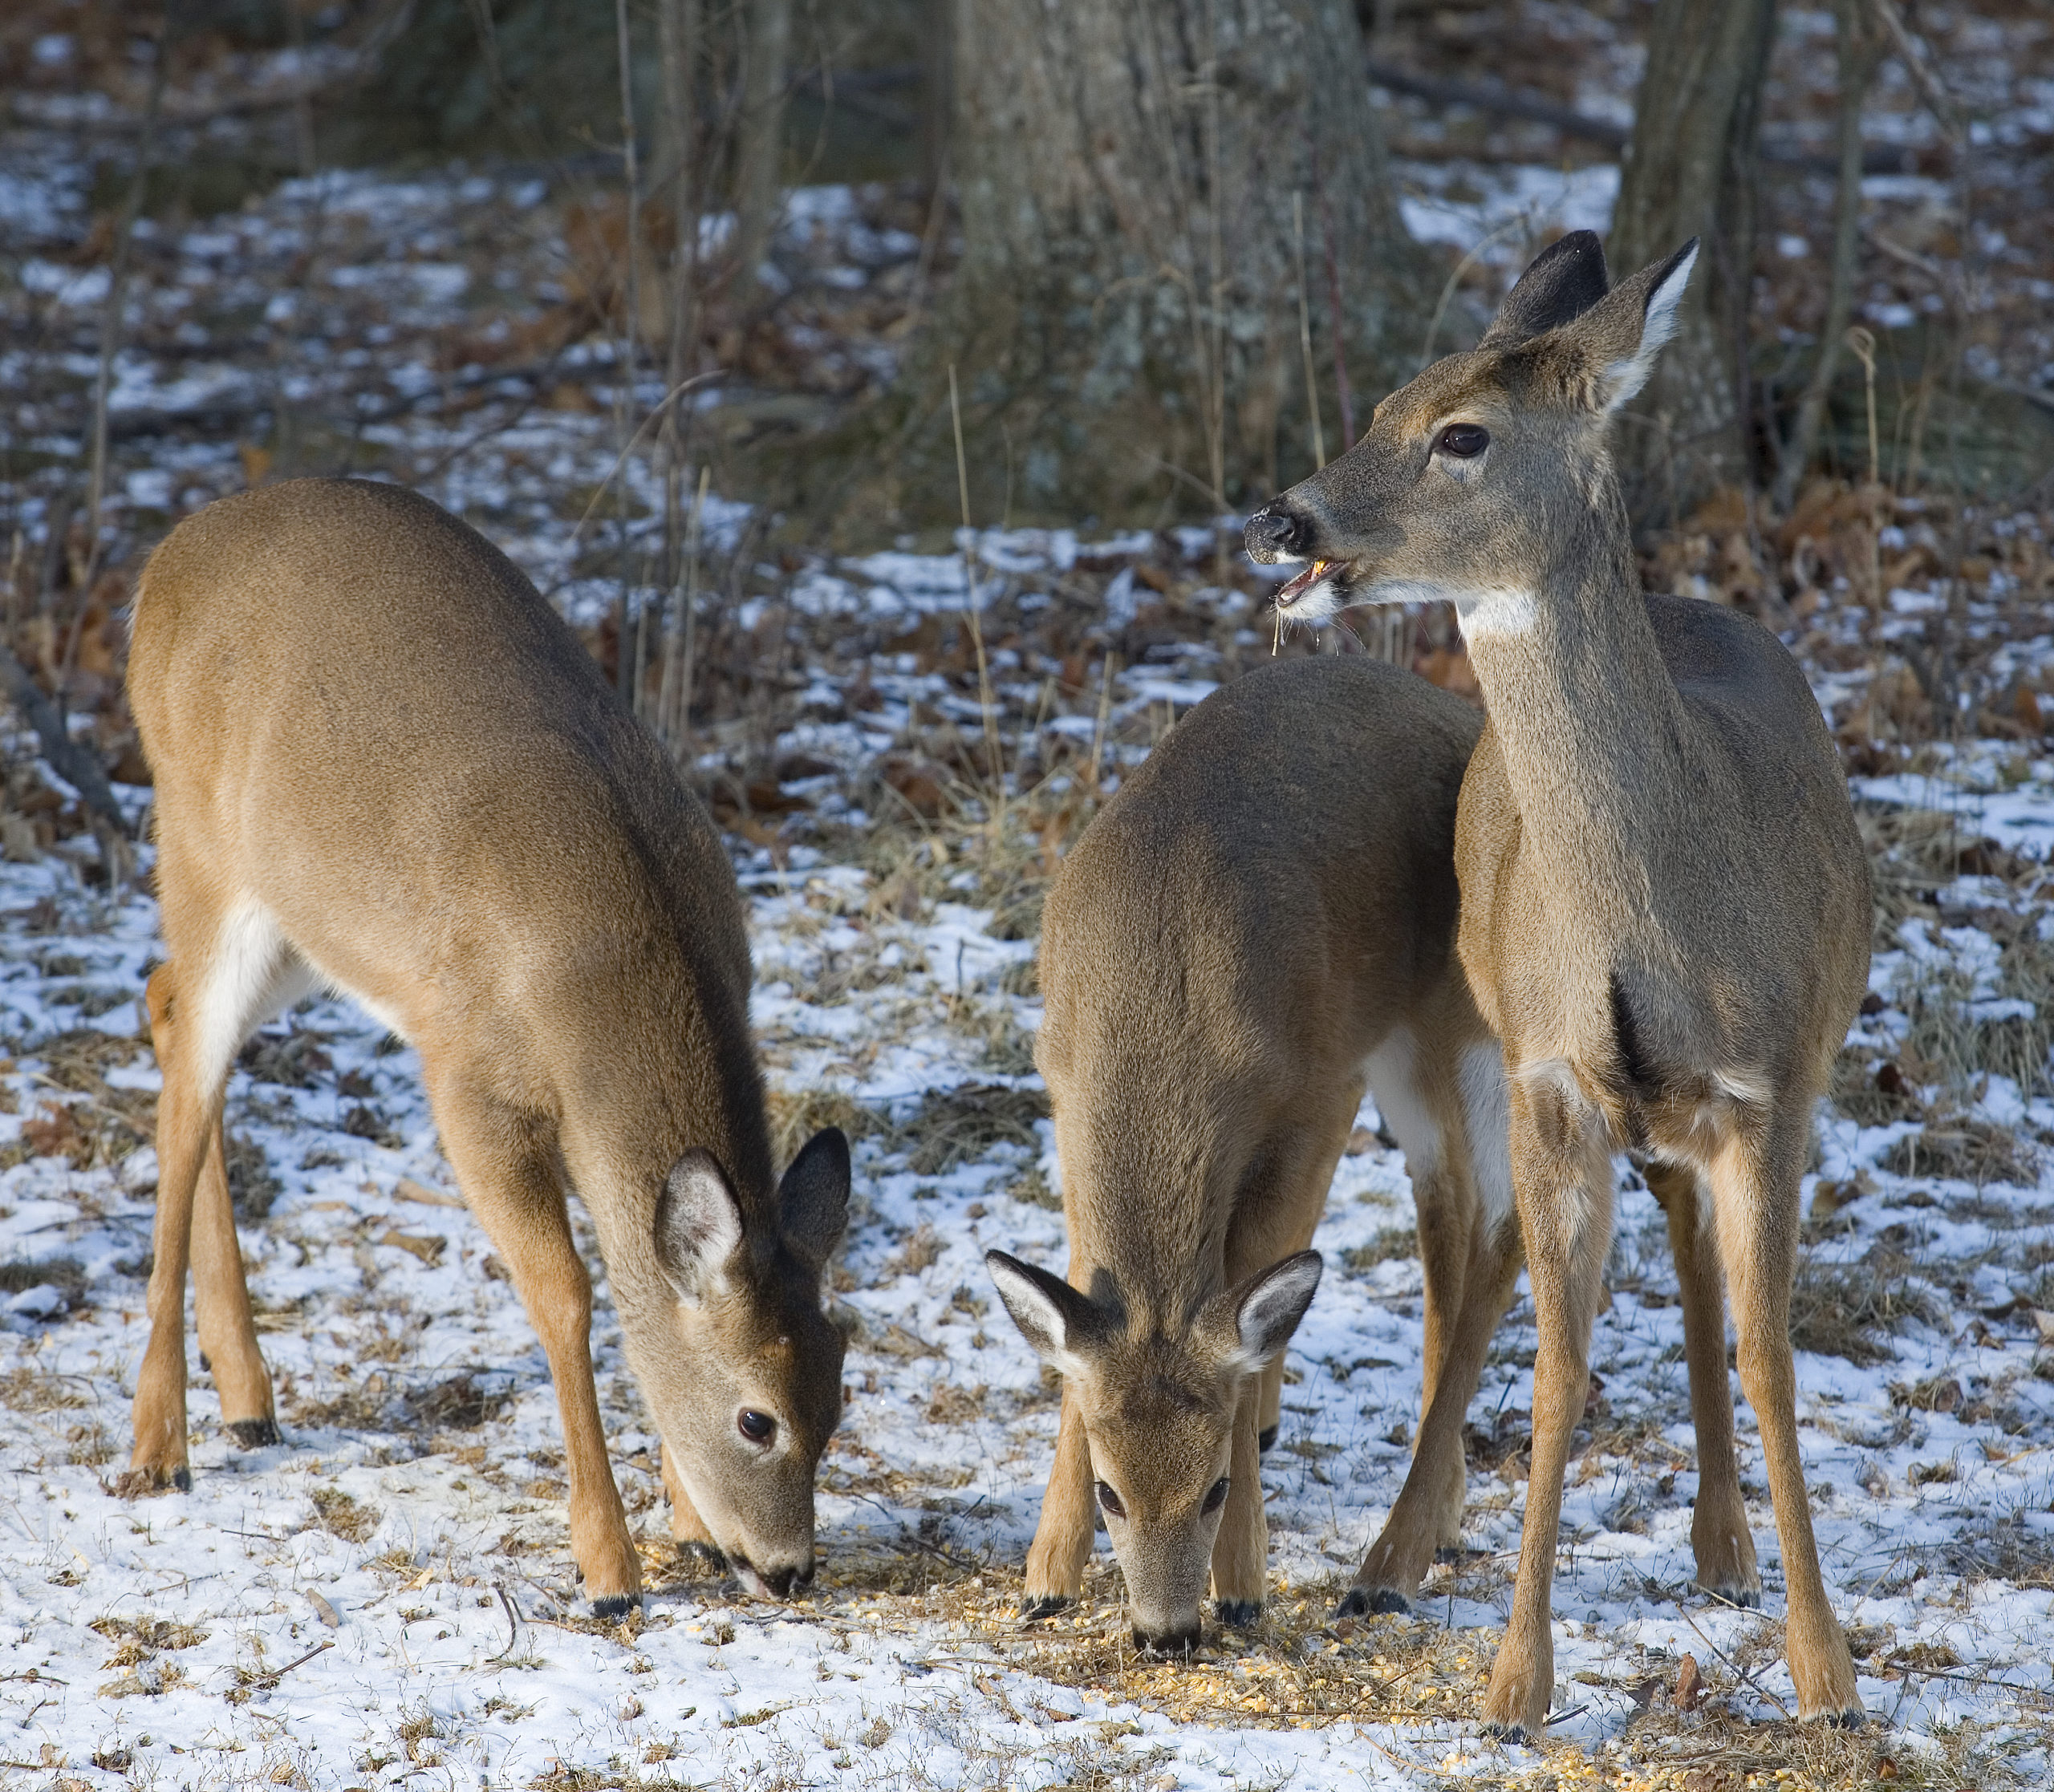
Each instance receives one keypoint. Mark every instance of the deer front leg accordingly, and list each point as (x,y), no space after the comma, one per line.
(1240,1551)
(1562,1174)
(1755,1186)
(1428,1514)
(1069,1516)
(1270,1406)
(220,1295)
(508,1180)
(688,1529)
(1719,1537)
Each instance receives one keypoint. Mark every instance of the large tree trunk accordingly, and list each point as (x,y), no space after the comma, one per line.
(1124,321)
(1690,172)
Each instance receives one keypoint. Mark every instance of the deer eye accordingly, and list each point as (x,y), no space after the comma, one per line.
(1215,1495)
(1464,440)
(759,1428)
(1110,1501)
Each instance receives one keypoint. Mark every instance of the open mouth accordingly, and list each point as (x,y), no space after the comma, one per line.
(1293,589)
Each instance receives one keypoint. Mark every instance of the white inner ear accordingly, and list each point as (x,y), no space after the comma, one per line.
(1270,1316)
(705,1232)
(1624,379)
(1040,1320)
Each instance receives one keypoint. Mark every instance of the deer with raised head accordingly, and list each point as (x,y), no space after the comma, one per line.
(386,768)
(1259,924)
(1665,900)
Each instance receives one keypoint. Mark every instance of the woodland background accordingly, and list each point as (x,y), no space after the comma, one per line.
(877,387)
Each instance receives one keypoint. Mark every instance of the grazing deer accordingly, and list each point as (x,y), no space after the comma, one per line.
(385,766)
(1665,902)
(1260,923)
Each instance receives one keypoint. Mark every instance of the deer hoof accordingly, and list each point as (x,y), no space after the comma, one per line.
(254,1433)
(614,1606)
(1512,1733)
(1359,1602)
(1042,1605)
(141,1483)
(1851,1716)
(1239,1614)
(1266,1441)
(1747,1598)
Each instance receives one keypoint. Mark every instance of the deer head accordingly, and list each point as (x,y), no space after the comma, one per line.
(1471,480)
(1159,1414)
(748,1388)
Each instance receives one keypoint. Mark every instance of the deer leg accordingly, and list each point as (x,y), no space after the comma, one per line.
(188,1112)
(1451,1240)
(1062,1540)
(220,1295)
(1269,1407)
(507,1171)
(686,1527)
(1241,1552)
(1428,1511)
(1755,1183)
(1719,1537)
(1276,1217)
(1562,1173)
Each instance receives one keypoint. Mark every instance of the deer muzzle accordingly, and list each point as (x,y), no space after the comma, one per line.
(1278,531)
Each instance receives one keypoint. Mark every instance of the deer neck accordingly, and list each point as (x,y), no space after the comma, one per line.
(1592,731)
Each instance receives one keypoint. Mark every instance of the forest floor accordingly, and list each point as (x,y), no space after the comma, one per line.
(387,1597)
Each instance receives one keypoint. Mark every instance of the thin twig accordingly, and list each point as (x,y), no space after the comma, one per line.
(663,404)
(1735,1665)
(995,767)
(1305,331)
(513,1623)
(278,1674)
(117,294)
(1455,279)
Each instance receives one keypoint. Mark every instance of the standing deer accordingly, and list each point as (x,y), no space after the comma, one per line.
(1260,923)
(385,766)
(1665,902)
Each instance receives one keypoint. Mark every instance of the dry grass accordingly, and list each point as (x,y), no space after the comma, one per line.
(343,1515)
(1852,1310)
(456,1403)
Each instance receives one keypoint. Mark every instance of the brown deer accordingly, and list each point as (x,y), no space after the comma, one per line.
(1665,902)
(385,766)
(1261,923)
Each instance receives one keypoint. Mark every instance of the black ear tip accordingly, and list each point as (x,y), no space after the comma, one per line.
(1677,260)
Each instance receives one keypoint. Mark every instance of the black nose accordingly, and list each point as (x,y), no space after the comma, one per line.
(779,1580)
(1166,1642)
(1274,533)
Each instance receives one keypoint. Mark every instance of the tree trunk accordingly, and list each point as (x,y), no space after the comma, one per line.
(1690,172)
(1862,45)
(760,152)
(1124,321)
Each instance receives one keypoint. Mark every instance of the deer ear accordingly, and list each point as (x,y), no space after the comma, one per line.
(1058,1321)
(1267,1308)
(1560,284)
(1652,299)
(813,1200)
(698,1225)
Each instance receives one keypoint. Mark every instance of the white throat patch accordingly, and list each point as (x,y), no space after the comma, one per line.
(1500,609)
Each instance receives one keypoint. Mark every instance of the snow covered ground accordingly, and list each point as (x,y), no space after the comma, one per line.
(387,1595)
